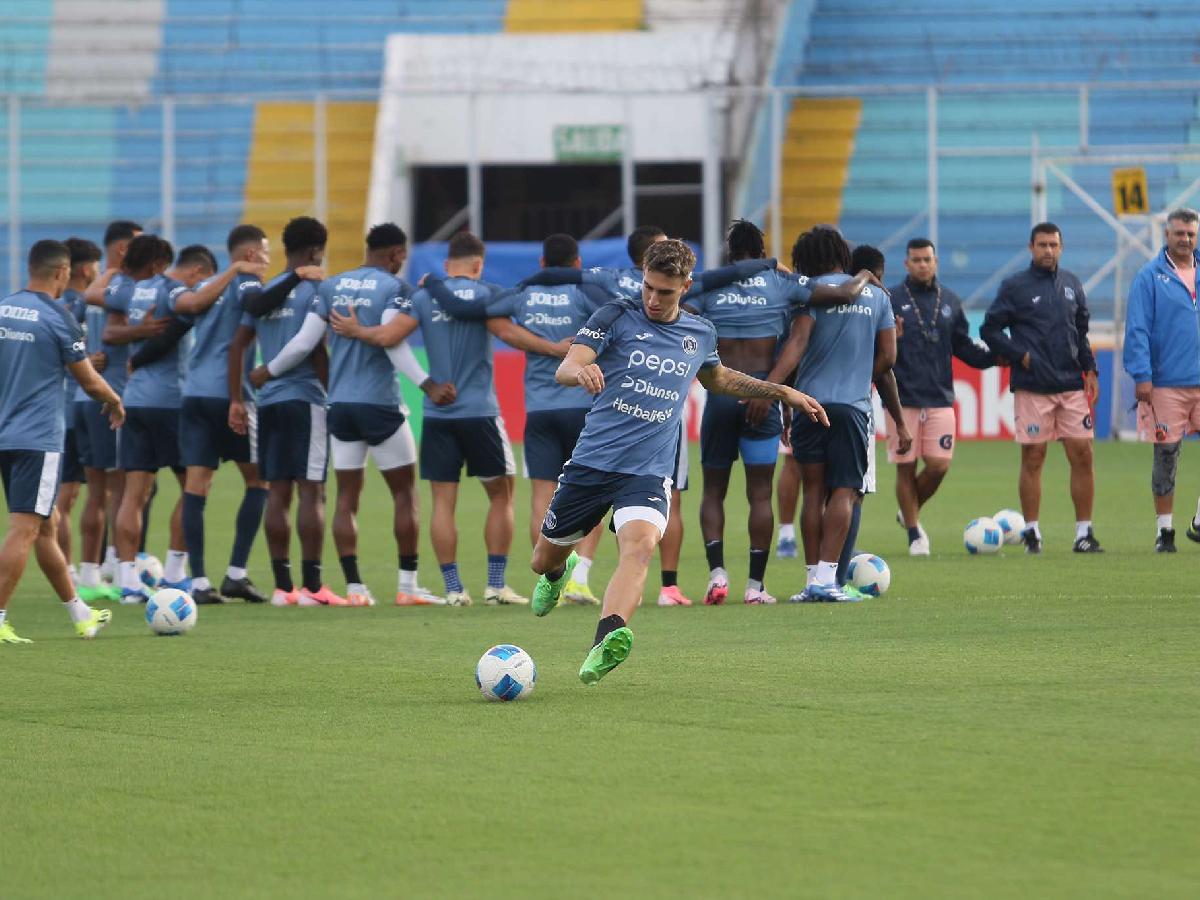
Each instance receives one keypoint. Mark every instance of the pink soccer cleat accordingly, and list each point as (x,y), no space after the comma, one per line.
(323,597)
(716,593)
(672,596)
(285,598)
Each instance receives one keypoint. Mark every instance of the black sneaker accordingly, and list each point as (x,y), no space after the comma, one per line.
(1033,543)
(242,589)
(1088,544)
(206,595)
(1166,541)
(1193,532)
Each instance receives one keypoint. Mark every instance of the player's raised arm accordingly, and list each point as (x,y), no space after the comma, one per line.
(835,295)
(195,302)
(732,383)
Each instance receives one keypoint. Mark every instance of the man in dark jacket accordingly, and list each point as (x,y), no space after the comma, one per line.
(1054,379)
(931,329)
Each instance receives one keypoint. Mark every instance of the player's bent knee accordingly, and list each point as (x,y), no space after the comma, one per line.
(1166,464)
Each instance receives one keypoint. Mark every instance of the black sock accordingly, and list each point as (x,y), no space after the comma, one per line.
(146,516)
(350,568)
(311,572)
(607,626)
(848,547)
(282,569)
(913,534)
(249,518)
(193,531)
(670,577)
(758,564)
(715,551)
(408,563)
(555,574)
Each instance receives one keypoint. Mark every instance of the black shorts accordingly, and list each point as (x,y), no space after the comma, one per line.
(550,439)
(370,422)
(584,495)
(94,436)
(149,439)
(72,467)
(293,441)
(205,438)
(480,442)
(30,480)
(842,447)
(724,432)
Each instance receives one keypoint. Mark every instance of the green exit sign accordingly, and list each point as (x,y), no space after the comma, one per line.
(588,143)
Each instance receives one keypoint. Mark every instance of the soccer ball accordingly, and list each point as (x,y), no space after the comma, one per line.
(171,611)
(1011,523)
(506,672)
(983,535)
(150,570)
(869,574)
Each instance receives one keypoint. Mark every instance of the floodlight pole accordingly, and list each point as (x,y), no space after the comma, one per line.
(167,212)
(931,137)
(710,177)
(474,174)
(14,194)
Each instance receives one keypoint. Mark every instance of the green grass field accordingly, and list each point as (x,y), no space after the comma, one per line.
(996,727)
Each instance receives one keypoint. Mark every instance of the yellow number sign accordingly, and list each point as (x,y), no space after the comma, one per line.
(1130,197)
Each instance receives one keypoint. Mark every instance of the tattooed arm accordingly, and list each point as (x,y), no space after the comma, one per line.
(720,380)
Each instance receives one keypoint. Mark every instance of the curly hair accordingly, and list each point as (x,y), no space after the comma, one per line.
(820,251)
(744,240)
(671,257)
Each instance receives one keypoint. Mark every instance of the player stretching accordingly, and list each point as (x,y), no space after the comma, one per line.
(751,316)
(639,359)
(39,340)
(365,413)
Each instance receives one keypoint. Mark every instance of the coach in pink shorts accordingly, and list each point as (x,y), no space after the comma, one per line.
(1162,356)
(930,329)
(1039,323)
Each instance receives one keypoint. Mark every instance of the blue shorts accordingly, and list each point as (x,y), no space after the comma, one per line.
(30,480)
(479,441)
(842,447)
(584,495)
(550,439)
(205,438)
(94,436)
(724,432)
(293,441)
(149,439)
(373,423)
(72,467)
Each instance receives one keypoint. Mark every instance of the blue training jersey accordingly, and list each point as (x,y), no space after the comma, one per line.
(78,308)
(617,282)
(273,332)
(159,384)
(840,357)
(649,367)
(756,307)
(116,299)
(38,339)
(212,332)
(553,313)
(358,372)
(460,350)
(94,320)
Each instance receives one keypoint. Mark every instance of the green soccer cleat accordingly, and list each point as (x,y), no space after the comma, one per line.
(580,594)
(101,593)
(89,628)
(851,591)
(8,636)
(606,655)
(547,592)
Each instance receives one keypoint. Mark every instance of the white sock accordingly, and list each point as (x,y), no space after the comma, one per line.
(1196,521)
(811,572)
(89,574)
(110,556)
(826,572)
(176,568)
(235,573)
(787,532)
(408,581)
(1167,521)
(127,577)
(3,616)
(202,583)
(719,575)
(583,566)
(1082,528)
(356,588)
(78,610)
(1033,525)
(752,585)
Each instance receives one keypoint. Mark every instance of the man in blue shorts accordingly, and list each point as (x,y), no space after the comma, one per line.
(639,360)
(366,415)
(39,341)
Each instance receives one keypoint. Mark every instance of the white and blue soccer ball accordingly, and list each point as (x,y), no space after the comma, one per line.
(870,574)
(983,536)
(149,570)
(171,611)
(506,672)
(1011,523)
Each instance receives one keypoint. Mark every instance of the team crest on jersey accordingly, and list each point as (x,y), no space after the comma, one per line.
(690,345)
(550,521)
(1069,293)
(79,347)
(946,310)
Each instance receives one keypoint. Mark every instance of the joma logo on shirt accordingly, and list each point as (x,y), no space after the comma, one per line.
(356,284)
(18,312)
(538,298)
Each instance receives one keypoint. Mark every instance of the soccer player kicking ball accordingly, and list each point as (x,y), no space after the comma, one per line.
(639,359)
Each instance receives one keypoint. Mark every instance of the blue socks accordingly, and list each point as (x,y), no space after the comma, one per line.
(193,531)
(496,566)
(450,577)
(249,518)
(848,547)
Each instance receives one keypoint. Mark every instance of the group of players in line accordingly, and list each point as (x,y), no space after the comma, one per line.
(611,356)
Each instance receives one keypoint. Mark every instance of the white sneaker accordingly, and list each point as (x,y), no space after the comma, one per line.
(504,596)
(419,596)
(919,547)
(458,598)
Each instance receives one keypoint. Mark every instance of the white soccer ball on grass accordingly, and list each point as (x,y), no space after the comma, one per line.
(171,611)
(983,536)
(505,672)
